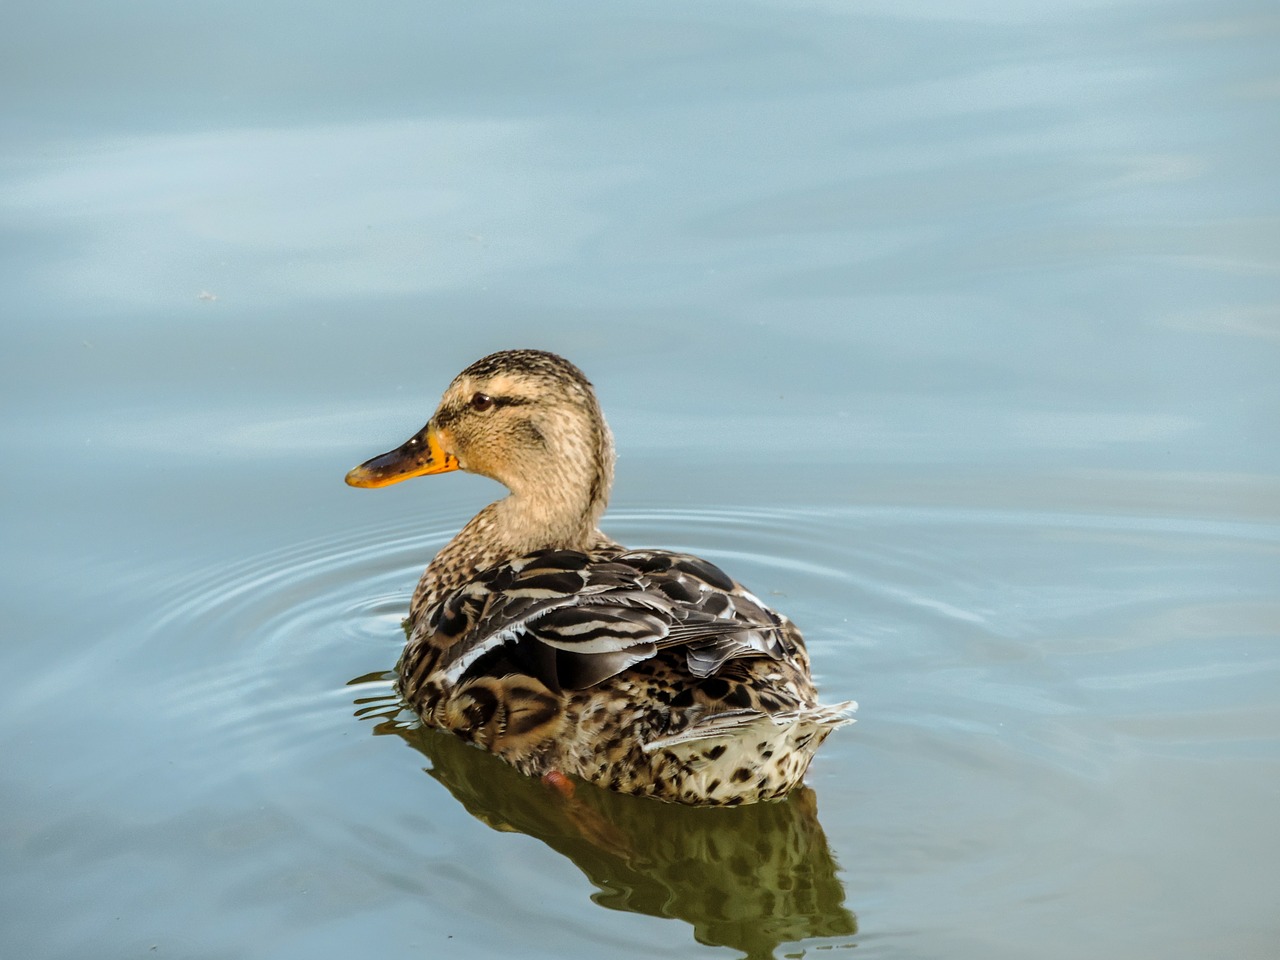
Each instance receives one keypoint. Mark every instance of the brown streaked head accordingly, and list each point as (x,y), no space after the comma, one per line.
(526,418)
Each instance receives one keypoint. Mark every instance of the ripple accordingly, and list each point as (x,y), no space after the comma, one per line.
(948,623)
(265,646)
(259,653)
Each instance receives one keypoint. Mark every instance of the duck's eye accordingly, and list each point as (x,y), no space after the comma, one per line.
(481,402)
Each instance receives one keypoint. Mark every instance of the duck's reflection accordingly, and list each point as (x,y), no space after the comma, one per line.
(750,878)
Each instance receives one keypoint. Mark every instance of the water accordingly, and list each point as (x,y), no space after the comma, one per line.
(953,333)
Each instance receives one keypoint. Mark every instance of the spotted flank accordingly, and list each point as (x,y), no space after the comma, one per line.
(536,637)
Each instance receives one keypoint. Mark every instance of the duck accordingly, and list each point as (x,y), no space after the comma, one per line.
(537,637)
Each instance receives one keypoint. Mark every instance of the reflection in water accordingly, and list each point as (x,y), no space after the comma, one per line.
(749,877)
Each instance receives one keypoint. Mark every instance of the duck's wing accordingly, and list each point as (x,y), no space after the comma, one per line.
(572,619)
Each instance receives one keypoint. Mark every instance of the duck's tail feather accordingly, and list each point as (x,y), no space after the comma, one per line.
(734,724)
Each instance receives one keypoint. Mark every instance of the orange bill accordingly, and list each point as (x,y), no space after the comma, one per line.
(419,456)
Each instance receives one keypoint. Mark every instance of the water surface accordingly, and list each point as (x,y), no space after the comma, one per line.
(952,333)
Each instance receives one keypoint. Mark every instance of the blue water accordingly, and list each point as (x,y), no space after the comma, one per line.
(952,331)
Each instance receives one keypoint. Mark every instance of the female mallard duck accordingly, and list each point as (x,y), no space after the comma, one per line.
(536,637)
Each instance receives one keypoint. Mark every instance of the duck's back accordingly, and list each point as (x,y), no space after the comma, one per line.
(644,671)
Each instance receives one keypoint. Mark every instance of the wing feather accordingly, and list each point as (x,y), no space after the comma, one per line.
(575,619)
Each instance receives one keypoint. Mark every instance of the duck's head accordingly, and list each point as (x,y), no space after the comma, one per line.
(526,418)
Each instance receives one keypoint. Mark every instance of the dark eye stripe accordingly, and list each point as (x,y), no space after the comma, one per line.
(482,401)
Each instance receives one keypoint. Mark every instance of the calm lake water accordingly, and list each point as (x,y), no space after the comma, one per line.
(954,333)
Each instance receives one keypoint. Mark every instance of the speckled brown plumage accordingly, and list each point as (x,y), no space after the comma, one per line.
(538,638)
